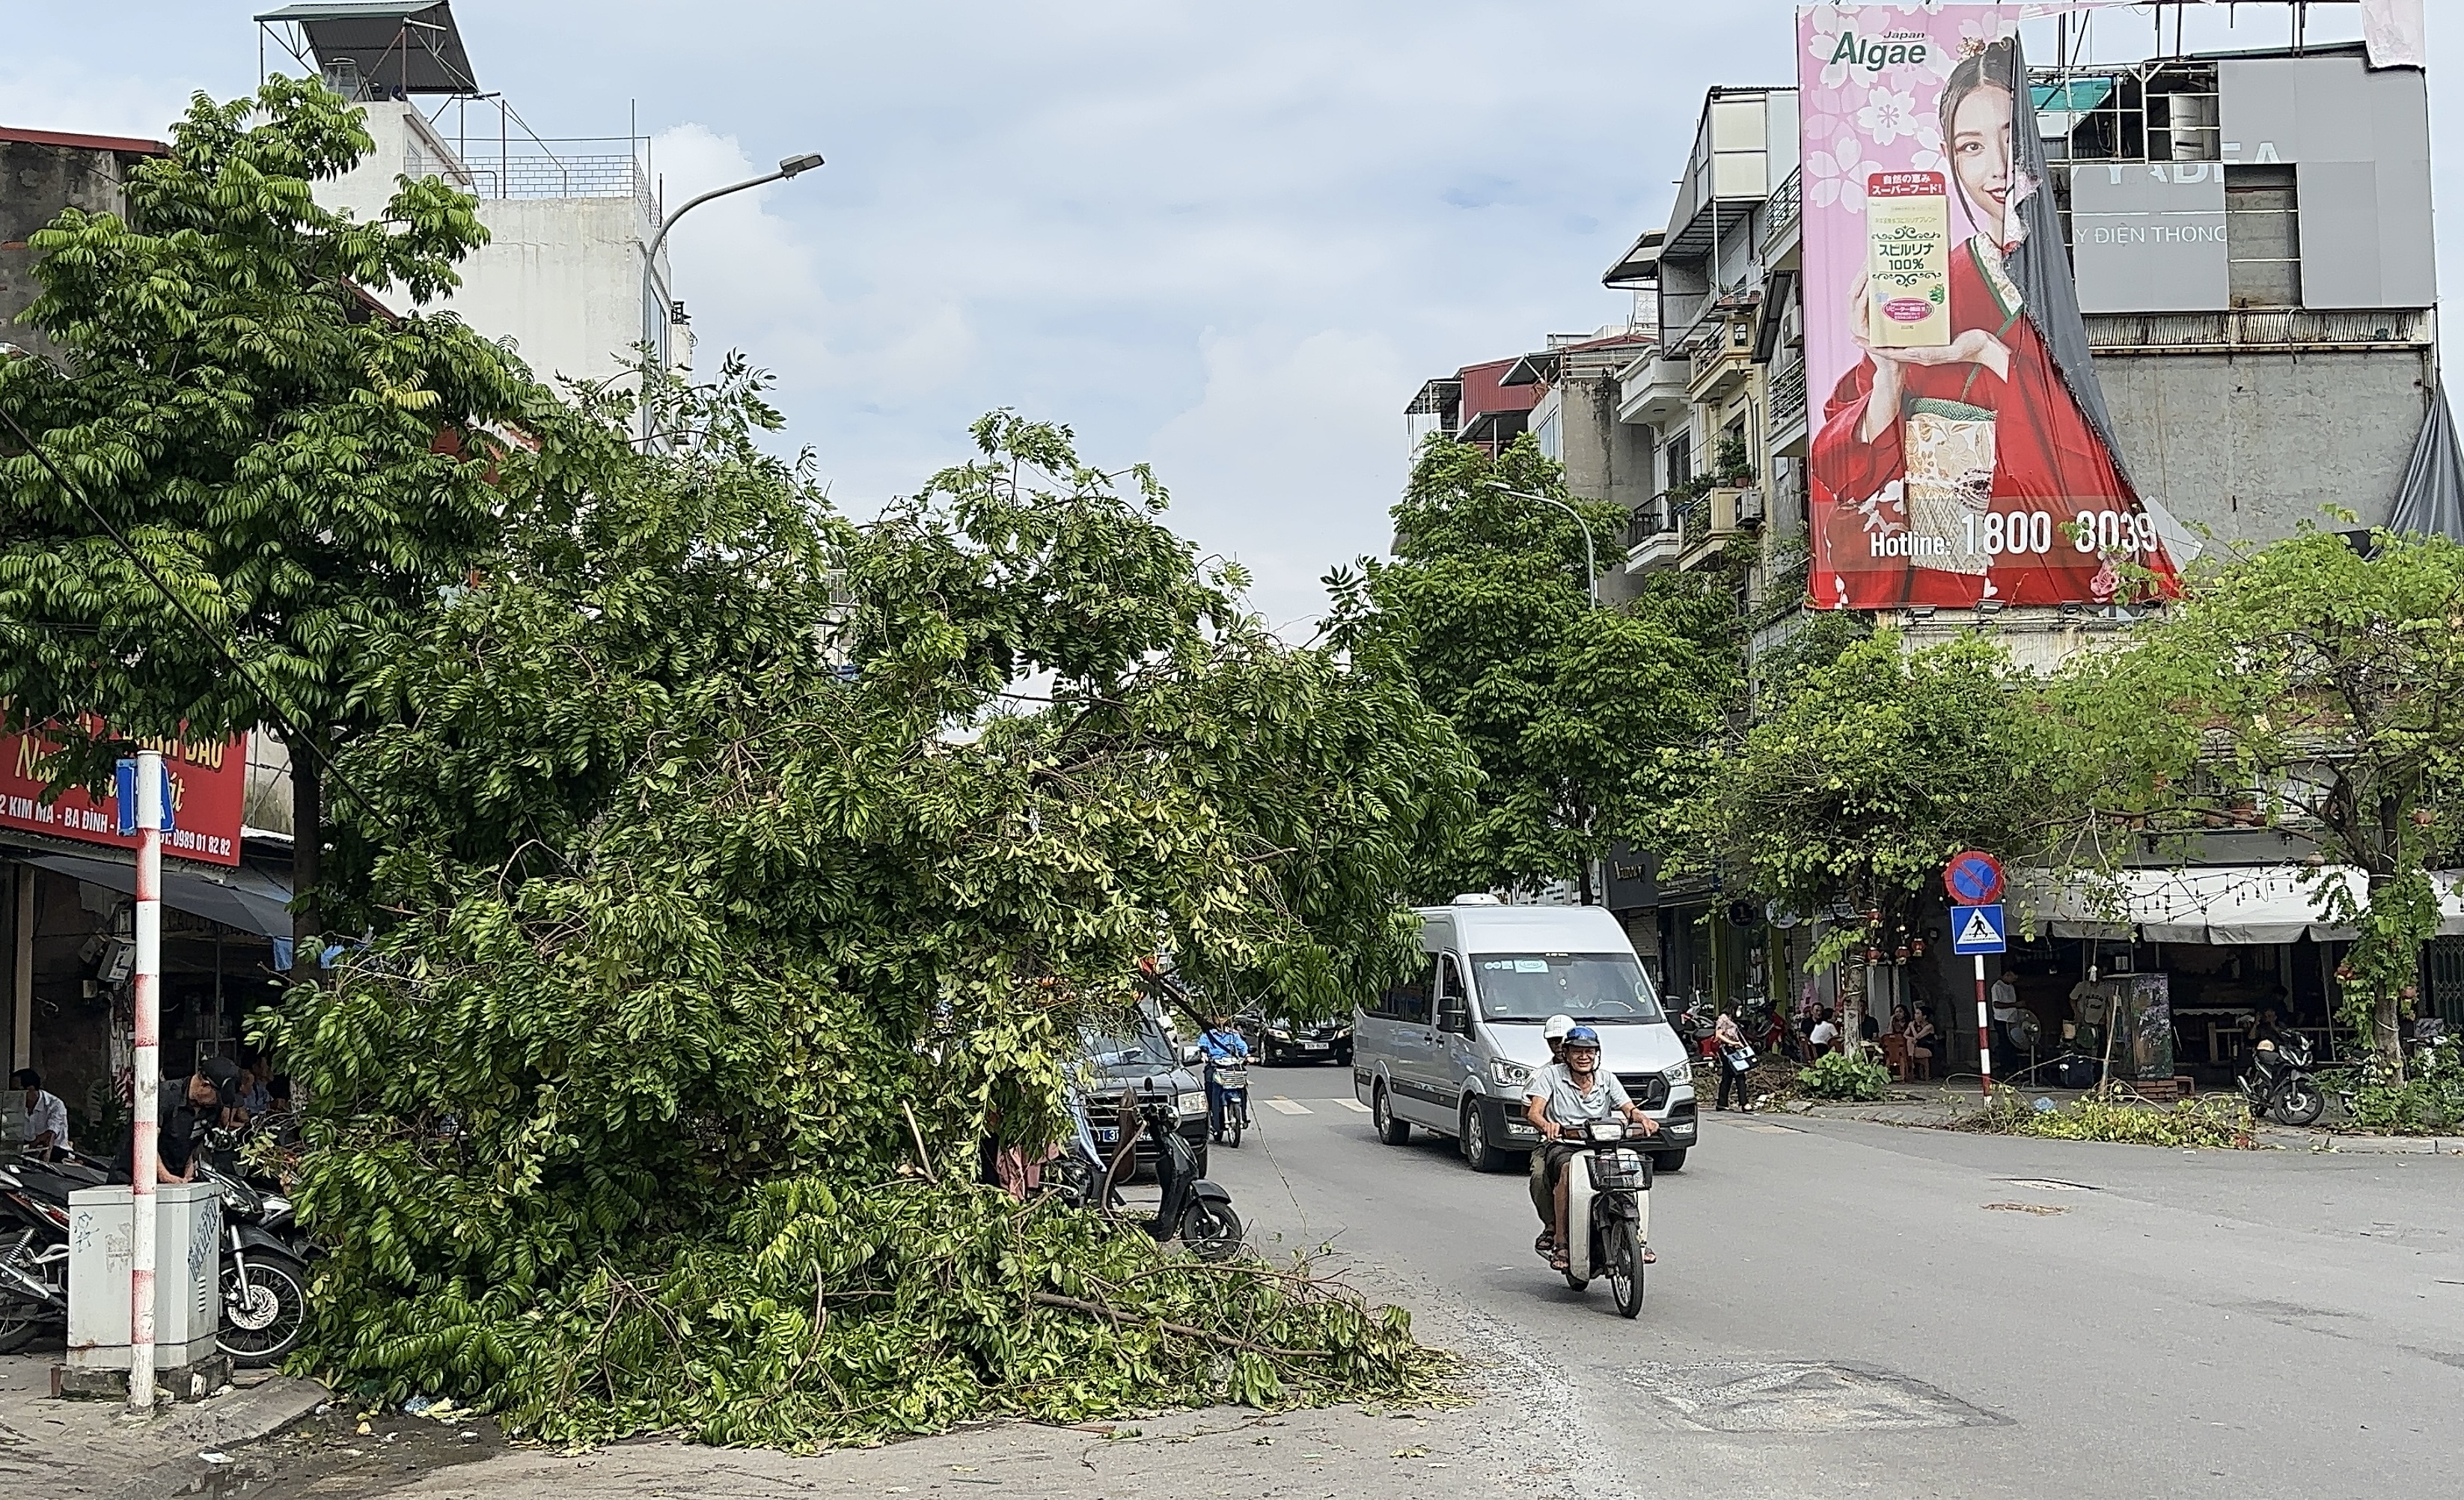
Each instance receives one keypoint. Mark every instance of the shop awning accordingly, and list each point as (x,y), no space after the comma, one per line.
(2227,904)
(240,898)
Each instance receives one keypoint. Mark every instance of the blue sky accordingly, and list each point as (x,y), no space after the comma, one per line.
(1229,240)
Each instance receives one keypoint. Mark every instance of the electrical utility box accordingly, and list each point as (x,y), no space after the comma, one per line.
(187,1275)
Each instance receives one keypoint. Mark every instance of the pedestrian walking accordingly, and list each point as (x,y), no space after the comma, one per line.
(1736,1063)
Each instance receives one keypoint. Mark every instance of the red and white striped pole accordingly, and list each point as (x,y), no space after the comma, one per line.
(148,1001)
(1984,1033)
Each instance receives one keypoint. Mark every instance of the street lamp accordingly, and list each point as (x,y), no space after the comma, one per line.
(1591,558)
(790,167)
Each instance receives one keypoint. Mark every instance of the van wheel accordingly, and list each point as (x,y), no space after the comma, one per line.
(1477,1148)
(1390,1130)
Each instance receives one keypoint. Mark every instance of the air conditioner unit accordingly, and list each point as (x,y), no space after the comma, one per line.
(1749,507)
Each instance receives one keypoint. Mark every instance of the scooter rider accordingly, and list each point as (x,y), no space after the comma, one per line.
(1223,1045)
(1544,1197)
(1562,1098)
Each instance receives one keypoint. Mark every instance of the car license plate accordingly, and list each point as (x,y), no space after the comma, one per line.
(1107,1135)
(1313,1047)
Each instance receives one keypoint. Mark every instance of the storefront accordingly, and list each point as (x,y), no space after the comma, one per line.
(68,882)
(2163,973)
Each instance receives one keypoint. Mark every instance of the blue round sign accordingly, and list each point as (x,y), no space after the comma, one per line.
(1974,879)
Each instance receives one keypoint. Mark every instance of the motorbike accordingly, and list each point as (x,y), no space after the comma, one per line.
(1228,1083)
(33,1253)
(2277,1083)
(1608,1195)
(264,1274)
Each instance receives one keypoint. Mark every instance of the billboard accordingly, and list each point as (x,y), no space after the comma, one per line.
(208,787)
(1960,452)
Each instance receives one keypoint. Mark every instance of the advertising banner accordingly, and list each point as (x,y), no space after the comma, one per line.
(208,787)
(1961,452)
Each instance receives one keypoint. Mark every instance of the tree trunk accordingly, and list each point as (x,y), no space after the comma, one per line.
(1587,882)
(2387,1036)
(307,851)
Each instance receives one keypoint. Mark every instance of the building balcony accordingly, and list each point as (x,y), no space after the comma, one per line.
(1710,521)
(1652,392)
(1652,537)
(1786,402)
(1720,362)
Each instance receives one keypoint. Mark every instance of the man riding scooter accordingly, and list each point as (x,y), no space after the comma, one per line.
(1544,1197)
(1559,1101)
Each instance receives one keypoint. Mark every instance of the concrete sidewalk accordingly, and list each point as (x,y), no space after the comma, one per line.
(50,1446)
(1941,1105)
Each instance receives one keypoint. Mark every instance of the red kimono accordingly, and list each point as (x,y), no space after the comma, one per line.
(1884,538)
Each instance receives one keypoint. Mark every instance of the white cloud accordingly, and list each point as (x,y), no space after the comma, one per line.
(1288,461)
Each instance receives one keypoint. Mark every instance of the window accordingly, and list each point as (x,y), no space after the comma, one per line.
(1450,986)
(2263,236)
(1588,986)
(1678,452)
(1550,436)
(1408,1001)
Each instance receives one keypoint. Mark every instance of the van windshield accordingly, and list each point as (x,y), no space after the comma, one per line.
(1588,986)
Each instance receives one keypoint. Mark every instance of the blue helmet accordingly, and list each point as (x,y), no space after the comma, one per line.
(1582,1036)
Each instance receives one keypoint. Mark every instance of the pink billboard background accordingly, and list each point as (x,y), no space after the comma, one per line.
(1966,472)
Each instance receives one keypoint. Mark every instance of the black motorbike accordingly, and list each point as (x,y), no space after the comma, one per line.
(2278,1084)
(33,1253)
(265,1271)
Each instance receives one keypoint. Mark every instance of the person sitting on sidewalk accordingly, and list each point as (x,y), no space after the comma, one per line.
(1825,1035)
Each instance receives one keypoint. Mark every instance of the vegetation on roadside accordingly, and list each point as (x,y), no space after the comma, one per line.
(2221,1121)
(2428,1099)
(1844,1076)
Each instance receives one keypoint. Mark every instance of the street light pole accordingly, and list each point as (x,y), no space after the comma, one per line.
(788,168)
(1591,557)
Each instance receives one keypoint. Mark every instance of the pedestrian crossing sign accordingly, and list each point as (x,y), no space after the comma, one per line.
(1977,929)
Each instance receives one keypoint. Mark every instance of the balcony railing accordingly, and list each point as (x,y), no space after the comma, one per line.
(1788,396)
(1786,203)
(540,169)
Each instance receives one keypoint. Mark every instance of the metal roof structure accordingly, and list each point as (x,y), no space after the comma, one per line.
(404,46)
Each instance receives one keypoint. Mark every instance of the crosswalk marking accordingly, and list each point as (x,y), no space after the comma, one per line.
(1354,1105)
(1287,1107)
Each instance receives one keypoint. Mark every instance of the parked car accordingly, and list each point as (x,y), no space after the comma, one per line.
(1131,1055)
(1283,1040)
(1450,1050)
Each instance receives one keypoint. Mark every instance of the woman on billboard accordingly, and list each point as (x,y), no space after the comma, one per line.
(1962,470)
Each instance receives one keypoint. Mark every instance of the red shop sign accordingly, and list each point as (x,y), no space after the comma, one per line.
(209,786)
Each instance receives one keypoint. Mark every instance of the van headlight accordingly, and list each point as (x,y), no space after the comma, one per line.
(1677,1073)
(1192,1104)
(1509,1074)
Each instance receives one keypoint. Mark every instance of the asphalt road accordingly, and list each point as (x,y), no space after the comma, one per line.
(1842,1306)
(1838,1307)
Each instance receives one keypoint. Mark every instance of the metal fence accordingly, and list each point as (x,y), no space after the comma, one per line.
(536,169)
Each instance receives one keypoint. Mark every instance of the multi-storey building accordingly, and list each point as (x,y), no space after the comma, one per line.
(2250,238)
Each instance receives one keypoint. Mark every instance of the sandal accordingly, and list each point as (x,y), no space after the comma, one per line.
(1545,1245)
(1558,1261)
(1648,1258)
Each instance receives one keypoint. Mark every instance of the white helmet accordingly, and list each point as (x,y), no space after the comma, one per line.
(1558,1028)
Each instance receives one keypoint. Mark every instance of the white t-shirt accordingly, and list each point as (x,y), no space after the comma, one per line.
(1824,1033)
(49,1114)
(2006,1000)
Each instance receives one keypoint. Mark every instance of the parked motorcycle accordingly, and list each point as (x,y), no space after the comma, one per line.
(1610,1197)
(33,1253)
(2278,1084)
(265,1273)
(1227,1085)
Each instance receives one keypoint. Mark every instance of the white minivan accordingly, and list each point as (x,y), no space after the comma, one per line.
(1451,1049)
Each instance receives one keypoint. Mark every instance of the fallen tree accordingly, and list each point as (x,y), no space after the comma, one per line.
(734,874)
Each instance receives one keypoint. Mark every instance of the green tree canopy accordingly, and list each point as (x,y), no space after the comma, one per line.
(1866,774)
(301,468)
(1567,709)
(2316,685)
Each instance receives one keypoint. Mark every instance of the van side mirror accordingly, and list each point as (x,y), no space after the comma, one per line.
(1454,1016)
